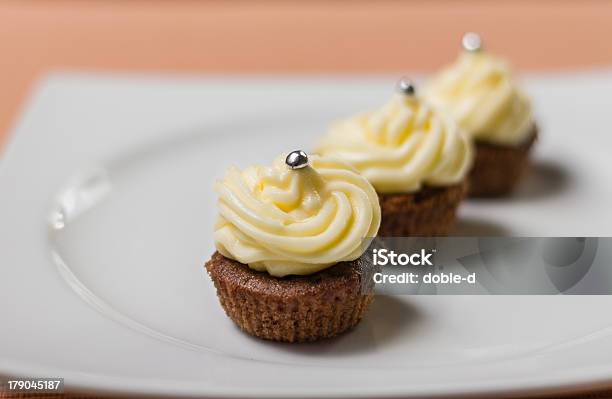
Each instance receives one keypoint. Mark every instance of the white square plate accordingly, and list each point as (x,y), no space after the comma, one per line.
(106,214)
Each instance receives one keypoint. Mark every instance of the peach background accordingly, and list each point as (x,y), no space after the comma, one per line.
(286,36)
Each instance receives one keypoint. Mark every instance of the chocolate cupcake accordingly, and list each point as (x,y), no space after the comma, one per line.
(291,308)
(480,93)
(289,239)
(415,157)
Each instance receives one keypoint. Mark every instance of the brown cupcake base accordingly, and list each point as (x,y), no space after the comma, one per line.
(429,212)
(292,308)
(498,169)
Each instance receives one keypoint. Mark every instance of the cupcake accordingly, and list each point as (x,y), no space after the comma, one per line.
(290,242)
(414,156)
(480,93)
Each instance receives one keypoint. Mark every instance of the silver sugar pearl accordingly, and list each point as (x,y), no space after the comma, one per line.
(405,86)
(471,42)
(297,159)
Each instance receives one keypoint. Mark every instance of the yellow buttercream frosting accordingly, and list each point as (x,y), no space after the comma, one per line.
(402,146)
(286,221)
(480,93)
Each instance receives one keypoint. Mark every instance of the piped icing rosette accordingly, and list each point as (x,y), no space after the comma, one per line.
(295,221)
(402,146)
(478,90)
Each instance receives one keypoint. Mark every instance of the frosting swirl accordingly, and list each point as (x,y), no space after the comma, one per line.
(402,146)
(478,90)
(286,221)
